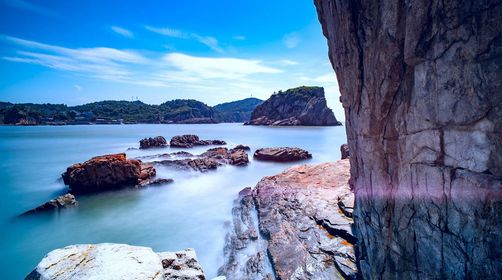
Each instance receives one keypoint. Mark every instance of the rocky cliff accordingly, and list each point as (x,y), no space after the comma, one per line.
(420,82)
(296,106)
(236,111)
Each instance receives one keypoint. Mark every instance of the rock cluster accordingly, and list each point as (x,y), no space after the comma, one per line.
(62,201)
(421,85)
(301,231)
(189,140)
(241,147)
(116,261)
(155,142)
(297,106)
(208,160)
(106,172)
(283,154)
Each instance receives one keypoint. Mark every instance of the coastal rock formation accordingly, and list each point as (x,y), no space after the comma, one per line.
(155,142)
(106,172)
(188,141)
(241,147)
(283,154)
(300,231)
(421,85)
(344,150)
(197,164)
(116,261)
(296,106)
(208,160)
(62,201)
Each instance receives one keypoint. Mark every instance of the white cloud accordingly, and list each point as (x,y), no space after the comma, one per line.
(209,41)
(328,78)
(25,5)
(239,38)
(166,31)
(291,40)
(122,31)
(287,62)
(78,87)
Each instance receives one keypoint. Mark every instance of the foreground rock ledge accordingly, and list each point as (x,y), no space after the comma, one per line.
(116,261)
(294,225)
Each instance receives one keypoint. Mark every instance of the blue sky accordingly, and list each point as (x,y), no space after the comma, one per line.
(78,51)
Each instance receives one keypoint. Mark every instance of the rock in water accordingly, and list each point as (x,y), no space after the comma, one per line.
(421,84)
(106,172)
(116,261)
(300,232)
(156,142)
(297,106)
(344,150)
(62,201)
(241,147)
(284,154)
(189,140)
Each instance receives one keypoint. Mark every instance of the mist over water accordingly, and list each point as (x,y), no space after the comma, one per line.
(189,213)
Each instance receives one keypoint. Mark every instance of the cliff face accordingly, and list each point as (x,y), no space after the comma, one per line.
(420,82)
(297,106)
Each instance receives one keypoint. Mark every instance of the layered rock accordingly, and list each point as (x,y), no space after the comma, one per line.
(63,201)
(189,140)
(297,106)
(116,261)
(300,231)
(106,172)
(282,154)
(155,142)
(421,85)
(242,147)
(208,160)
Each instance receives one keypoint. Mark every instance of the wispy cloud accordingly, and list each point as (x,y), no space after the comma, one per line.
(28,6)
(122,31)
(291,40)
(209,41)
(78,88)
(239,38)
(287,62)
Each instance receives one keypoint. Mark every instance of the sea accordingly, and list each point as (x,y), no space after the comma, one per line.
(193,212)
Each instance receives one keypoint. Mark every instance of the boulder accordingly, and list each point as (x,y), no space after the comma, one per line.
(197,164)
(241,147)
(156,142)
(344,150)
(116,261)
(62,201)
(283,154)
(190,140)
(238,158)
(106,172)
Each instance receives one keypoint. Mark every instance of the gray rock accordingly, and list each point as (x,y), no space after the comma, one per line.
(281,154)
(189,140)
(156,142)
(421,85)
(62,201)
(344,150)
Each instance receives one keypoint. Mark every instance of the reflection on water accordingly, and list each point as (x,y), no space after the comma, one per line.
(191,212)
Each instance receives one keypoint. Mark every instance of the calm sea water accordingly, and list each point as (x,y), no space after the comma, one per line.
(190,213)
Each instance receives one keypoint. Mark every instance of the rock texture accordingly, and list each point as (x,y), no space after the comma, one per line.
(297,106)
(106,172)
(116,261)
(155,142)
(62,201)
(344,150)
(208,160)
(283,154)
(188,141)
(300,231)
(420,82)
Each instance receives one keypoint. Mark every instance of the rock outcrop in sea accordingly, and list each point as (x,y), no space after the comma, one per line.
(117,261)
(63,201)
(281,154)
(294,225)
(189,140)
(155,142)
(421,84)
(297,106)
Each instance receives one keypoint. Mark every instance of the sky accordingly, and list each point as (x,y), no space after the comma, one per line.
(80,51)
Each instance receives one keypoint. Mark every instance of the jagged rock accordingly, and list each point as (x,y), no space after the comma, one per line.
(344,150)
(106,172)
(209,160)
(421,85)
(197,164)
(155,182)
(188,141)
(156,142)
(62,201)
(241,147)
(238,158)
(283,154)
(296,106)
(300,226)
(116,261)
(180,154)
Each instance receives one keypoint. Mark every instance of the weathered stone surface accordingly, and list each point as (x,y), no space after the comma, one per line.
(189,140)
(155,142)
(344,150)
(282,154)
(241,147)
(297,106)
(208,160)
(421,85)
(299,232)
(155,182)
(197,164)
(106,172)
(62,201)
(116,261)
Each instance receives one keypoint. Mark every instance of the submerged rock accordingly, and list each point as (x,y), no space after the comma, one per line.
(156,142)
(106,172)
(62,201)
(241,147)
(197,164)
(283,154)
(116,261)
(189,140)
(209,160)
(301,232)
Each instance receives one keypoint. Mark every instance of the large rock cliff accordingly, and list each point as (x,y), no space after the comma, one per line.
(297,106)
(420,82)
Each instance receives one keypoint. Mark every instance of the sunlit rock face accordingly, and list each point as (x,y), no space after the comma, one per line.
(420,82)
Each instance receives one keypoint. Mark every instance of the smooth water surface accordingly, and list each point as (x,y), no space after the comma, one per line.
(191,212)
